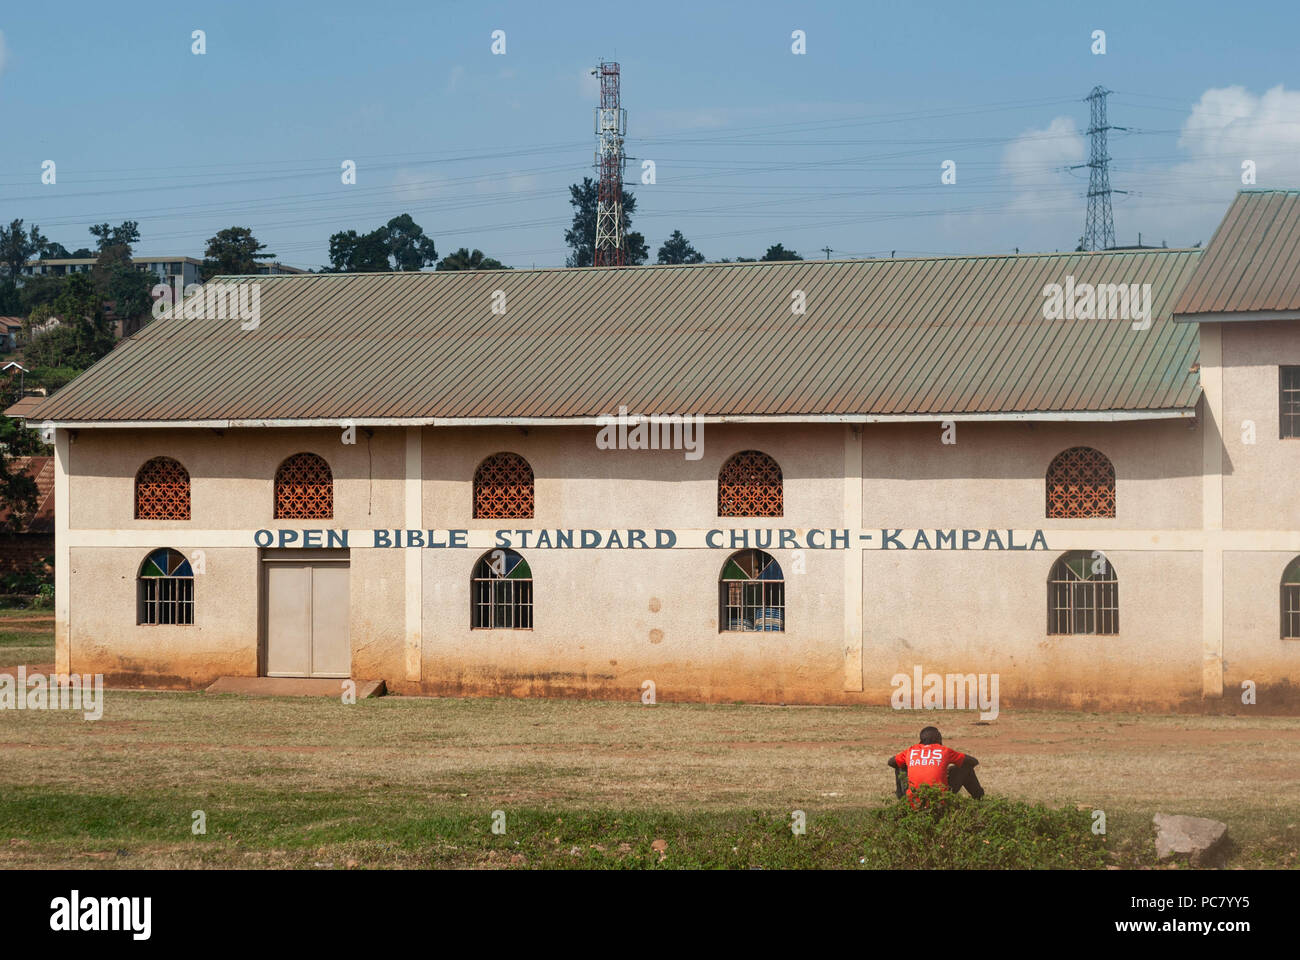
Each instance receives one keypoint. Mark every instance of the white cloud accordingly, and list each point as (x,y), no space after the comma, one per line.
(507,183)
(1184,199)
(414,186)
(1229,125)
(1034,161)
(521,182)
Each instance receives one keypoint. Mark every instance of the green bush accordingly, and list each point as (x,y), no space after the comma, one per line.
(44,599)
(947,831)
(37,578)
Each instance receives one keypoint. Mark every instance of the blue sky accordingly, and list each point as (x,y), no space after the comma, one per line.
(839,147)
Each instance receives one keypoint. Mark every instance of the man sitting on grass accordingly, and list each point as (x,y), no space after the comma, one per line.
(930,762)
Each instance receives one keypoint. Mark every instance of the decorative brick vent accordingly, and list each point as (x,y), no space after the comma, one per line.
(749,485)
(503,488)
(162,491)
(304,489)
(1081,483)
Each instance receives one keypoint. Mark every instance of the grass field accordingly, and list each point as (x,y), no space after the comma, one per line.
(413,782)
(26,636)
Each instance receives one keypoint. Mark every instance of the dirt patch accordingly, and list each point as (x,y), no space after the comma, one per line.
(1110,736)
(35,746)
(789,744)
(237,747)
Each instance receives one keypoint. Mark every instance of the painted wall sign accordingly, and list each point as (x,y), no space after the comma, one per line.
(762,538)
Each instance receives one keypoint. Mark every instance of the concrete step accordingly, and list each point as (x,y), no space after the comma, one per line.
(295,687)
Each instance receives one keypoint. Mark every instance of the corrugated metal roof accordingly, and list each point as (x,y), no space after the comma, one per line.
(878,337)
(1253,260)
(24,407)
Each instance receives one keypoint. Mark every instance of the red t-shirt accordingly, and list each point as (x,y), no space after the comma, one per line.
(928,764)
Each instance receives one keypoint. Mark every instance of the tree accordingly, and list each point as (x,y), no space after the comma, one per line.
(17,246)
(677,249)
(124,234)
(83,333)
(408,245)
(116,279)
(400,244)
(36,290)
(233,251)
(463,259)
(56,251)
(777,252)
(77,345)
(352,252)
(18,490)
(581,236)
(127,288)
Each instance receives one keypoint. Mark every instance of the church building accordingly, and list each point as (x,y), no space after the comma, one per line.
(769,482)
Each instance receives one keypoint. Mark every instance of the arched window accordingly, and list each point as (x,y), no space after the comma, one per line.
(503,488)
(304,488)
(749,485)
(501,592)
(164,589)
(162,491)
(1083,594)
(1081,483)
(751,593)
(1291,601)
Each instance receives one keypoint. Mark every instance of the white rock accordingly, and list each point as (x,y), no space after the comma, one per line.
(1198,837)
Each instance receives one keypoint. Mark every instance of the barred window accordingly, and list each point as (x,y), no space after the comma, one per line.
(165,589)
(503,488)
(304,488)
(162,491)
(1291,601)
(751,593)
(1081,483)
(502,592)
(750,485)
(1289,401)
(1083,595)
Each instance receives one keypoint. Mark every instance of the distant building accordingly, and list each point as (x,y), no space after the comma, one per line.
(24,406)
(275,267)
(168,270)
(10,328)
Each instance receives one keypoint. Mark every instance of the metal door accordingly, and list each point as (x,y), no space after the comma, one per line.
(307,613)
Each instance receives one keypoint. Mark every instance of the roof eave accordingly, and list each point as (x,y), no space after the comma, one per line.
(1237,316)
(1084,416)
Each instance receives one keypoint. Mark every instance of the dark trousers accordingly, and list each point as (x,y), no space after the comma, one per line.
(958,777)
